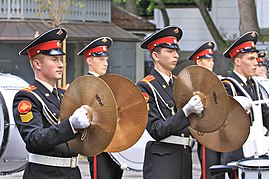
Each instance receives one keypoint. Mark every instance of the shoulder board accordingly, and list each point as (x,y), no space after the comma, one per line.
(29,88)
(61,88)
(148,78)
(174,76)
(227,81)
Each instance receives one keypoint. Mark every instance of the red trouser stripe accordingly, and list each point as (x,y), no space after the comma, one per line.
(95,167)
(203,163)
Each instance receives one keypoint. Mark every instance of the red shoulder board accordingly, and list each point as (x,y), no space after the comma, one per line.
(148,78)
(29,88)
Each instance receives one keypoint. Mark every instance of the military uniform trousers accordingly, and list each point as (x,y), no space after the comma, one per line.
(177,157)
(106,167)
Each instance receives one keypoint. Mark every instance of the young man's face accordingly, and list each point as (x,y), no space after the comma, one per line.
(247,64)
(206,62)
(261,71)
(98,64)
(48,68)
(166,59)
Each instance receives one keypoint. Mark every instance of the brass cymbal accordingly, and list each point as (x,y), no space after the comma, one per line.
(232,135)
(94,92)
(197,80)
(132,112)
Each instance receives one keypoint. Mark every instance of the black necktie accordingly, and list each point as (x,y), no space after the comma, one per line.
(171,82)
(251,88)
(55,92)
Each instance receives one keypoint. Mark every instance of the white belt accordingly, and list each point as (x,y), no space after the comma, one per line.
(53,161)
(187,141)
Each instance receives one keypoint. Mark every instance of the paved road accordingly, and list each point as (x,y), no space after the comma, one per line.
(84,167)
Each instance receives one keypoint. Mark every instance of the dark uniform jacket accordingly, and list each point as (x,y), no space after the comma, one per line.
(164,160)
(106,167)
(40,136)
(238,154)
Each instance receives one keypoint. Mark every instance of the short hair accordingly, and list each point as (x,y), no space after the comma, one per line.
(157,50)
(240,55)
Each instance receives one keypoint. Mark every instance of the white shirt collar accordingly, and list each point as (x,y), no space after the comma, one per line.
(48,86)
(165,77)
(243,78)
(94,74)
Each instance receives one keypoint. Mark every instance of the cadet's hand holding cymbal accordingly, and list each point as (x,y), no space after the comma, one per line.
(245,102)
(79,119)
(194,105)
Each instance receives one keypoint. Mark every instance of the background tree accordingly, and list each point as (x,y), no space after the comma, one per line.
(56,10)
(162,8)
(248,21)
(131,6)
(221,43)
(248,16)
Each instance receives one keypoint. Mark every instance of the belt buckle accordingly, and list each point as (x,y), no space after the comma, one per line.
(73,162)
(190,141)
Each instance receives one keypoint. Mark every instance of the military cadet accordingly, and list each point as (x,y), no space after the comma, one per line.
(36,111)
(96,55)
(203,56)
(169,156)
(245,89)
(261,70)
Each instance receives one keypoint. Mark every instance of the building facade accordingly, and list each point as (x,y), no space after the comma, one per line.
(19,23)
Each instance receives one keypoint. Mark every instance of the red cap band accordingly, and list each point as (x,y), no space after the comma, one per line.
(202,53)
(237,49)
(94,50)
(44,46)
(171,40)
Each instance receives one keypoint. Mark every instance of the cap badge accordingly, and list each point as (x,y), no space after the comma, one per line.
(60,32)
(210,51)
(209,44)
(104,40)
(104,48)
(176,30)
(253,34)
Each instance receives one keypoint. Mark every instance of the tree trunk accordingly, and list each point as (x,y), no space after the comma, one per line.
(221,43)
(161,6)
(248,16)
(130,6)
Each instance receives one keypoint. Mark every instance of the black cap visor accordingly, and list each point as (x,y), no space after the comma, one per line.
(248,49)
(52,52)
(99,54)
(171,46)
(207,56)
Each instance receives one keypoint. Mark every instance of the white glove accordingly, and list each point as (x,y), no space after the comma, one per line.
(194,105)
(245,102)
(79,119)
